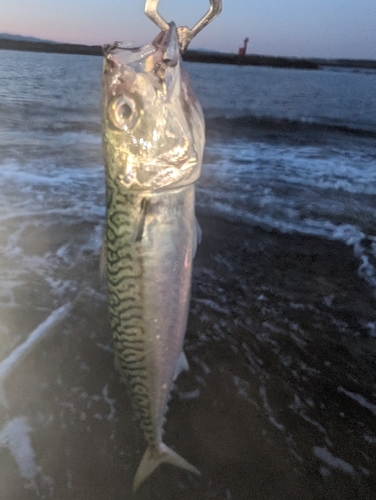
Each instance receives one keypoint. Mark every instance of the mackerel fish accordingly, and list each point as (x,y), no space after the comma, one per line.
(153,141)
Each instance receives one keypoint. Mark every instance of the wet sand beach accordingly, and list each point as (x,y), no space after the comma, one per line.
(268,406)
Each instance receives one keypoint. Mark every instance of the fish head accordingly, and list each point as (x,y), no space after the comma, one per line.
(153,125)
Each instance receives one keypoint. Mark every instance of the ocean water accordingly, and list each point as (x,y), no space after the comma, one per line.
(280,401)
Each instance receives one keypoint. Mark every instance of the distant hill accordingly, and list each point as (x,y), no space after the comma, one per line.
(30,43)
(20,38)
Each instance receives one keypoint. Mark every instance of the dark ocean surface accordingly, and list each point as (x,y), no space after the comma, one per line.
(280,401)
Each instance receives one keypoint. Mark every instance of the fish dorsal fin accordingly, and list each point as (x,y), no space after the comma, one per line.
(103,260)
(154,457)
(3,398)
(182,365)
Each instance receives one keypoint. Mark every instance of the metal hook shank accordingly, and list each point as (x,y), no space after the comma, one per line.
(151,11)
(185,34)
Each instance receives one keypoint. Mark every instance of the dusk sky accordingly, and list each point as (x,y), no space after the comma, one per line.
(306,28)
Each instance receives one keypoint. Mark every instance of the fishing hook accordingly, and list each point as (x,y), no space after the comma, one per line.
(185,35)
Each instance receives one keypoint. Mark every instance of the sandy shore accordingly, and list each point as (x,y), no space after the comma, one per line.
(260,413)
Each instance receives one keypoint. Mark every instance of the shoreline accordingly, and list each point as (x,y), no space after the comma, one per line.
(196,56)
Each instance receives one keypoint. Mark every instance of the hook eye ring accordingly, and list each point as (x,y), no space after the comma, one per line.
(185,35)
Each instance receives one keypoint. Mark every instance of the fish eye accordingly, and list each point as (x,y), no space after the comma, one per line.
(123,112)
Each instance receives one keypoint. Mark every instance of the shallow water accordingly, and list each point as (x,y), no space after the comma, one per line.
(280,401)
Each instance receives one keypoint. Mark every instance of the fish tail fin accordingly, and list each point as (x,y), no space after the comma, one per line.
(153,457)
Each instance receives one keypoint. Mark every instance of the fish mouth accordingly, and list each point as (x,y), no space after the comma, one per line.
(167,45)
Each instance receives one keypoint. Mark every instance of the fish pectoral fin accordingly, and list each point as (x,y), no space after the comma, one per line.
(182,366)
(154,457)
(197,238)
(141,223)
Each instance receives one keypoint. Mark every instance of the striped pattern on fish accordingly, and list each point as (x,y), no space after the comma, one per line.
(124,277)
